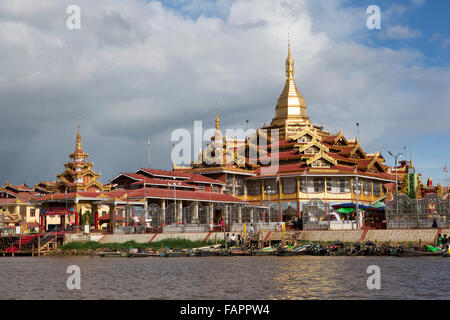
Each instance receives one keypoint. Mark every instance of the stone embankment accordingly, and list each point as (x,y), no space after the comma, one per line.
(416,236)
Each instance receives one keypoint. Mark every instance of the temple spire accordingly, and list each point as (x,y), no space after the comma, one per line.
(78,145)
(217,120)
(291,106)
(289,63)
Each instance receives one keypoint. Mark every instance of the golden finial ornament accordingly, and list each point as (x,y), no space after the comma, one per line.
(78,143)
(217,120)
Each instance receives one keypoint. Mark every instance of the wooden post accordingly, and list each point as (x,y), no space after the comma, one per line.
(20,241)
(32,249)
(56,242)
(39,245)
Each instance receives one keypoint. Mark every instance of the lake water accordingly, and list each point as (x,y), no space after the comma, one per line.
(270,277)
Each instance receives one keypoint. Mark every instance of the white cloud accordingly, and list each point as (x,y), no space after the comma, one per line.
(401,32)
(137,69)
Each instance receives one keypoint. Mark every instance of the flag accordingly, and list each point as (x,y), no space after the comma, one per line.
(445,169)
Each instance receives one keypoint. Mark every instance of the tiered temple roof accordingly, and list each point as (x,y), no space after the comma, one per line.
(78,175)
(300,145)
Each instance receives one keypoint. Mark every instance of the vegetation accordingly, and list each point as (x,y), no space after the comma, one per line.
(169,243)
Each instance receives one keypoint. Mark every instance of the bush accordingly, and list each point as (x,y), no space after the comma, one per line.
(169,243)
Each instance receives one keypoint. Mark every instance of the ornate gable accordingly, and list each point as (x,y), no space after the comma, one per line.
(320,156)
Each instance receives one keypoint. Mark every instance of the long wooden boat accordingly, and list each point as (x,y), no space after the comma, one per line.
(267,251)
(179,254)
(143,254)
(112,254)
(295,251)
(239,252)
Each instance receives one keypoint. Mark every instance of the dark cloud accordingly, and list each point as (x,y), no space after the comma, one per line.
(138,69)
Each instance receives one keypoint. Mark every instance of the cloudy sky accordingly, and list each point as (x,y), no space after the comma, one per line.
(139,69)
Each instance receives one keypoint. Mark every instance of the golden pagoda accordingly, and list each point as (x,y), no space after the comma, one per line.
(78,175)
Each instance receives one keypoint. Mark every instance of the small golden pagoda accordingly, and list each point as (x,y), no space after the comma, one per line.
(78,175)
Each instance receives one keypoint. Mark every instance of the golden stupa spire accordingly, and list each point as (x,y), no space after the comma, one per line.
(78,143)
(289,62)
(291,106)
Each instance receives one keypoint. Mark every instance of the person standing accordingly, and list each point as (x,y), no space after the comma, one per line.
(251,231)
(233,240)
(227,240)
(434,225)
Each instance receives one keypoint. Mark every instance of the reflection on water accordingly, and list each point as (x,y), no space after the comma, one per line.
(304,277)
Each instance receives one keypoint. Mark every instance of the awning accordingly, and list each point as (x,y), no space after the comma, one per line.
(345,210)
(350,205)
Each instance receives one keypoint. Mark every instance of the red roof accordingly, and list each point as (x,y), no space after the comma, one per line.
(170,194)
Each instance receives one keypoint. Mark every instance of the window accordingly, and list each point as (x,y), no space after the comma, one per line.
(215,189)
(367,187)
(376,188)
(333,185)
(201,188)
(344,185)
(23,212)
(32,212)
(320,164)
(271,185)
(306,184)
(305,138)
(289,185)
(239,190)
(319,184)
(253,188)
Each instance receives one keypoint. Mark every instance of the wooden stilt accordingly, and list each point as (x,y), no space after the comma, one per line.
(32,250)
(39,246)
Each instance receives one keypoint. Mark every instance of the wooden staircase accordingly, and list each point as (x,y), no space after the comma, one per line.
(29,244)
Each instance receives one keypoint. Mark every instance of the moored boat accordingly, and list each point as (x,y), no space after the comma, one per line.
(112,254)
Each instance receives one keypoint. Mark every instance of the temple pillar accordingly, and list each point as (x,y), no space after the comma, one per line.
(179,212)
(163,213)
(94,208)
(145,210)
(227,217)
(112,216)
(42,224)
(211,214)
(239,214)
(195,212)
